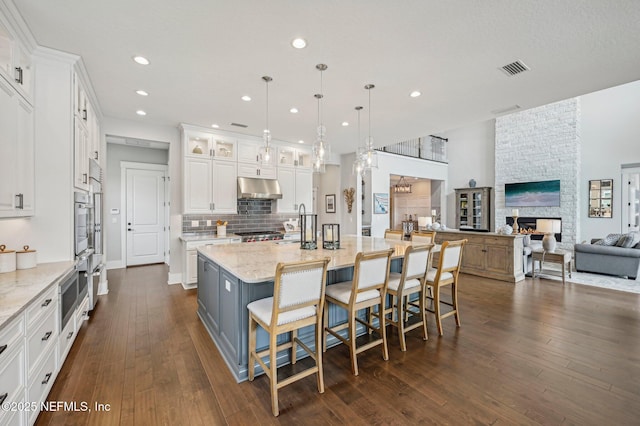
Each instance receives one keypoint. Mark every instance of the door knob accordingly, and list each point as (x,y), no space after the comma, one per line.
(129,229)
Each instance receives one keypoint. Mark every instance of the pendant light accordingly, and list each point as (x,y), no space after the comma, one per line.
(358,163)
(265,154)
(370,155)
(320,147)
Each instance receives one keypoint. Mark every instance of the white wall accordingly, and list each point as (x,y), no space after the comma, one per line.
(389,164)
(610,138)
(137,130)
(471,155)
(112,191)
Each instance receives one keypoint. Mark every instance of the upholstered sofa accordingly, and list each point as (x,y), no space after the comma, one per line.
(608,259)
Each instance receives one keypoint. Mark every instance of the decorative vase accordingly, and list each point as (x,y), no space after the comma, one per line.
(472,183)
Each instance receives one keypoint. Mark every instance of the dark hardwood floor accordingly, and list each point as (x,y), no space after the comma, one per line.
(531,353)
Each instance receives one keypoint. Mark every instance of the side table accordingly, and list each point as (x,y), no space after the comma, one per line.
(558,256)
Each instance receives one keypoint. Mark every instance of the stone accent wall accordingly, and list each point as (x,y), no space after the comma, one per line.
(253,215)
(536,145)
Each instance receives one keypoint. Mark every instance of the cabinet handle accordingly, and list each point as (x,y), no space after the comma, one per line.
(19,75)
(95,155)
(46,303)
(213,206)
(84,114)
(3,348)
(3,397)
(84,178)
(70,335)
(46,336)
(19,201)
(47,377)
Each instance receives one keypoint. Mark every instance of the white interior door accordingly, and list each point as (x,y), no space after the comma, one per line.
(145,216)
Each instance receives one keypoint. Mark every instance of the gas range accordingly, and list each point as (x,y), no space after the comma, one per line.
(253,236)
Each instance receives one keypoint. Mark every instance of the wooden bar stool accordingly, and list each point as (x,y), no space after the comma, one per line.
(446,274)
(402,286)
(298,301)
(366,290)
(390,234)
(423,237)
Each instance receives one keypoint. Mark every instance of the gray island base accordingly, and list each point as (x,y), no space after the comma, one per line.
(232,276)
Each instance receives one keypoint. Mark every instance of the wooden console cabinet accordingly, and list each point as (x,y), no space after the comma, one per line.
(488,254)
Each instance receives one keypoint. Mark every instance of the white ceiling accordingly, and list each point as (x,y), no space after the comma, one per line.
(206,54)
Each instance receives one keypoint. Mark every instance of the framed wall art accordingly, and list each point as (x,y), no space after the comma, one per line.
(380,203)
(330,203)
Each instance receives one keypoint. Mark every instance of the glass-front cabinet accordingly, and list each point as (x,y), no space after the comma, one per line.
(473,208)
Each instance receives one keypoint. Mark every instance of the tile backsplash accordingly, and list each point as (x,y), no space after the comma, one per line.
(253,215)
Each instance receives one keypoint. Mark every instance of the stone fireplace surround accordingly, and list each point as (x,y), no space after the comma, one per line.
(527,225)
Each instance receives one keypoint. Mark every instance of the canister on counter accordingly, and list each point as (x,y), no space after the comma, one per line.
(26,259)
(7,259)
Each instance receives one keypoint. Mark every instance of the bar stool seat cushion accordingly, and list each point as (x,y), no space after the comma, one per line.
(342,293)
(394,282)
(431,275)
(263,308)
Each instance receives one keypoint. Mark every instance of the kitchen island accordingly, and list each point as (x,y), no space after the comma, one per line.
(232,276)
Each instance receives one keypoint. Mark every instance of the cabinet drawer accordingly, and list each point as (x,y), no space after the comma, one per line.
(65,340)
(12,378)
(82,312)
(11,337)
(498,241)
(41,339)
(46,303)
(12,418)
(41,381)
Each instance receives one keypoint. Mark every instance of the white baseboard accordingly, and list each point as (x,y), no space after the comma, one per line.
(189,286)
(115,264)
(174,278)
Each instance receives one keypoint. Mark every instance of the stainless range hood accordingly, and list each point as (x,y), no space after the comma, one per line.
(261,189)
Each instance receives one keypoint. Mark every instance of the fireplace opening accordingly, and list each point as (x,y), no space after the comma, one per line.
(527,225)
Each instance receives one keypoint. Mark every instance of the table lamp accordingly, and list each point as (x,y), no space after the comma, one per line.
(424,222)
(550,227)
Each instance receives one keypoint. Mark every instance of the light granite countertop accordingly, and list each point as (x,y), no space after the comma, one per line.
(205,237)
(256,262)
(19,288)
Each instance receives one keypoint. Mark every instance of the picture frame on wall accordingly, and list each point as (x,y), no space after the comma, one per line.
(330,203)
(380,203)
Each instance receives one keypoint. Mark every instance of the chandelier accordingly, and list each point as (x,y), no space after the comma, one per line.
(320,147)
(402,187)
(370,156)
(266,134)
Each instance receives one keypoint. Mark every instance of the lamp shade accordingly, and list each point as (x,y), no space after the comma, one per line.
(424,221)
(548,226)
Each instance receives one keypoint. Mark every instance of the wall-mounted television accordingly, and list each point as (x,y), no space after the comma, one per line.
(532,194)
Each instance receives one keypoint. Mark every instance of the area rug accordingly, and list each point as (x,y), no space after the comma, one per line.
(594,280)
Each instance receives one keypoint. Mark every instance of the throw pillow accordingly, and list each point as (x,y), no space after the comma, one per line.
(599,243)
(611,239)
(629,240)
(621,240)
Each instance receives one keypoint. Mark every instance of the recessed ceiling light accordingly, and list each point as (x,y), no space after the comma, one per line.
(300,141)
(415,94)
(246,98)
(141,112)
(299,43)
(141,60)
(142,93)
(293,110)
(215,126)
(345,123)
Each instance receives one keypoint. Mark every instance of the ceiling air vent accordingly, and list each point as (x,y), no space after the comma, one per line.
(514,68)
(244,126)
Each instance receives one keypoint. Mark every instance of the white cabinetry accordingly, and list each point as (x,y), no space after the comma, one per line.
(86,135)
(15,62)
(16,153)
(250,161)
(293,157)
(210,173)
(12,368)
(296,184)
(190,260)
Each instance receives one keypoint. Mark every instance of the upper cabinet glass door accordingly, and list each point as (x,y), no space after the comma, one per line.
(198,145)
